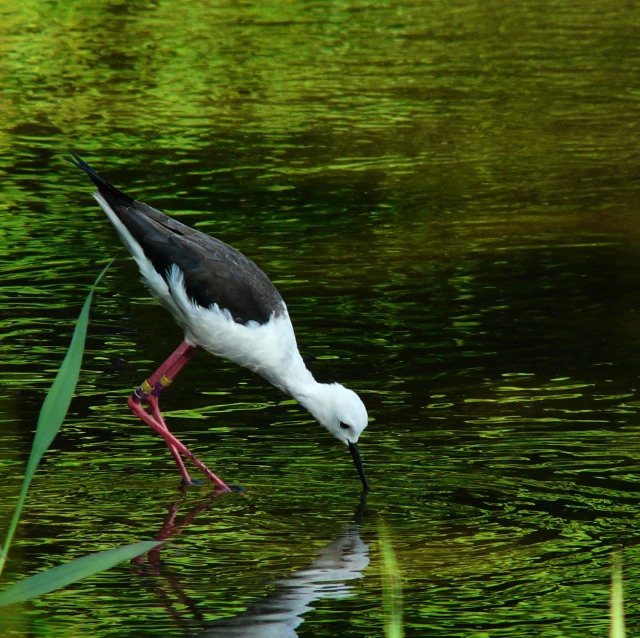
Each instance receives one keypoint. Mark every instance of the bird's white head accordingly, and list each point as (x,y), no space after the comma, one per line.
(342,412)
(338,409)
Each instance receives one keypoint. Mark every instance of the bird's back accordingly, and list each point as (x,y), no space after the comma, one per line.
(214,272)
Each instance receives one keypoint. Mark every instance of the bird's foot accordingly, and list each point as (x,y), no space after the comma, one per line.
(191,482)
(238,489)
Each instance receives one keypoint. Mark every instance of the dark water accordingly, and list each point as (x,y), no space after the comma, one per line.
(447,197)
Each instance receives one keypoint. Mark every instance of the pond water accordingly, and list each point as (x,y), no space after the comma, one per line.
(446,194)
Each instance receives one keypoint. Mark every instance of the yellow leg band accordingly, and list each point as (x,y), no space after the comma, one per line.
(164,381)
(146,388)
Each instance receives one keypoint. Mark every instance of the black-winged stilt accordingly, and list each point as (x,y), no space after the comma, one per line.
(226,305)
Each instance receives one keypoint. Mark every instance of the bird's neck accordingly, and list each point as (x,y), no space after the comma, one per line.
(299,382)
(307,391)
(290,374)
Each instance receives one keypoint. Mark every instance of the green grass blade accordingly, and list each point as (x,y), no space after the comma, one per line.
(616,629)
(391,587)
(55,406)
(54,409)
(71,572)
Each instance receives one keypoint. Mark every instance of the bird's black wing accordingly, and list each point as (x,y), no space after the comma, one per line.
(214,272)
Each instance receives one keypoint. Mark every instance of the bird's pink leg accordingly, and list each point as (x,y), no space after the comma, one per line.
(148,386)
(149,392)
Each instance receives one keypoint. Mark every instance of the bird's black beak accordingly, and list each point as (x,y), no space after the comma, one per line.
(355,453)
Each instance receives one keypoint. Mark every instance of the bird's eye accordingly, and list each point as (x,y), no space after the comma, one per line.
(344,426)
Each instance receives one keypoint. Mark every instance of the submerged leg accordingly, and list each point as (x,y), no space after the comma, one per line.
(149,392)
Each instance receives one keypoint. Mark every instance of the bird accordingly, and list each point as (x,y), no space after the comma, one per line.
(227,306)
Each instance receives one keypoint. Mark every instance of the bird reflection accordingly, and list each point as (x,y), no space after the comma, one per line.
(278,614)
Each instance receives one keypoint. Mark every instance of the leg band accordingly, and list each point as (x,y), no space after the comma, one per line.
(160,386)
(140,394)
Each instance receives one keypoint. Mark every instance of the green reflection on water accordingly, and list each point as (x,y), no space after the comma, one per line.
(445,195)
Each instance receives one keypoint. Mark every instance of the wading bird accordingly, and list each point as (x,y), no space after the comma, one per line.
(226,305)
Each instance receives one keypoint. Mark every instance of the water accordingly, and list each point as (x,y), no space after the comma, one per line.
(446,196)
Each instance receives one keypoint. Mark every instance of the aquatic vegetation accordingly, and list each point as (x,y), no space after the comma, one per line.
(391,586)
(616,627)
(53,412)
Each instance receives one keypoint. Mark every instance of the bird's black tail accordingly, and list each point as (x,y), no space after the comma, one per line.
(113,196)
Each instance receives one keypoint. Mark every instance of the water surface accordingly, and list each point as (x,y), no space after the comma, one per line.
(446,195)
